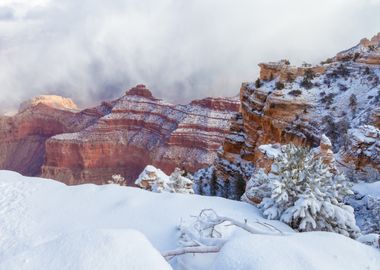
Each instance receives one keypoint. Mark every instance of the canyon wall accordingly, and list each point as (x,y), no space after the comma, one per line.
(339,98)
(23,136)
(141,130)
(51,137)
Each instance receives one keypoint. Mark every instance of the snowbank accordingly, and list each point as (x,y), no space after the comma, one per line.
(91,249)
(35,211)
(45,224)
(371,189)
(301,251)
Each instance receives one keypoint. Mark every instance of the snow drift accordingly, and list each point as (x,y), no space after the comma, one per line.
(47,225)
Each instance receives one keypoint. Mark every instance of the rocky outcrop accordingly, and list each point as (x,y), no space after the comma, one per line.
(285,72)
(366,52)
(141,130)
(361,156)
(56,102)
(298,105)
(23,136)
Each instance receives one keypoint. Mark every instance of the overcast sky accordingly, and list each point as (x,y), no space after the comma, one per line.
(95,49)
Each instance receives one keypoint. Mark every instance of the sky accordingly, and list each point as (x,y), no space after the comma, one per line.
(93,50)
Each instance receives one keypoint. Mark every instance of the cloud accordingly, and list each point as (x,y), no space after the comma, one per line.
(93,49)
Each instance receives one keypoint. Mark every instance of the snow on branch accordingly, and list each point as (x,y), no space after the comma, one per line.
(205,235)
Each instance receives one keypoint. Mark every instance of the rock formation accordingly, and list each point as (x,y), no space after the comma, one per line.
(141,130)
(23,136)
(49,136)
(367,52)
(285,72)
(361,156)
(297,105)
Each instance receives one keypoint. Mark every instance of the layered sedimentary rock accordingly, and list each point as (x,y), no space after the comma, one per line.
(361,155)
(141,130)
(298,105)
(23,136)
(283,71)
(367,52)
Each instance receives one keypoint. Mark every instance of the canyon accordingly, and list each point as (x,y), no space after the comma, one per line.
(216,139)
(50,137)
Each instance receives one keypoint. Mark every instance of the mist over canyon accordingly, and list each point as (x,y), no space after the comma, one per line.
(94,50)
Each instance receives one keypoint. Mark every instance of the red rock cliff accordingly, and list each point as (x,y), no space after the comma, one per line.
(141,130)
(23,136)
(297,105)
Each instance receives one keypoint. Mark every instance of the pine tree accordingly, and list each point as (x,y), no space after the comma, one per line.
(302,192)
(258,83)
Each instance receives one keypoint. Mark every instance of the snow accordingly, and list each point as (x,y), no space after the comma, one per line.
(325,140)
(270,150)
(91,249)
(371,189)
(366,203)
(315,250)
(35,211)
(47,225)
(363,134)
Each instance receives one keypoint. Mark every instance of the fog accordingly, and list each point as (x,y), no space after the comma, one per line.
(91,50)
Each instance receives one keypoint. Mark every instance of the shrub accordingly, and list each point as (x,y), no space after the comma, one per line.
(309,74)
(258,83)
(117,179)
(356,56)
(353,101)
(306,83)
(342,87)
(327,61)
(279,85)
(295,93)
(328,99)
(342,71)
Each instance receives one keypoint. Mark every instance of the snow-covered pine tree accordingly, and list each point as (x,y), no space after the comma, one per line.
(302,192)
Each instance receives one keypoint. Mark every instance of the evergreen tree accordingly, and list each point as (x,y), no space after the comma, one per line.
(258,83)
(302,192)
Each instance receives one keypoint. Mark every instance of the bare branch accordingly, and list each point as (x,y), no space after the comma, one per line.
(203,237)
(198,249)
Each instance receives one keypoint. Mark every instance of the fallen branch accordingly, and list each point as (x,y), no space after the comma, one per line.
(198,249)
(203,237)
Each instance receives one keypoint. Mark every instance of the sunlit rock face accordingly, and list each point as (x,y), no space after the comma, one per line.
(140,130)
(339,98)
(23,135)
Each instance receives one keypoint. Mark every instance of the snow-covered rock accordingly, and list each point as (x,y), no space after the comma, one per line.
(155,180)
(361,156)
(366,203)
